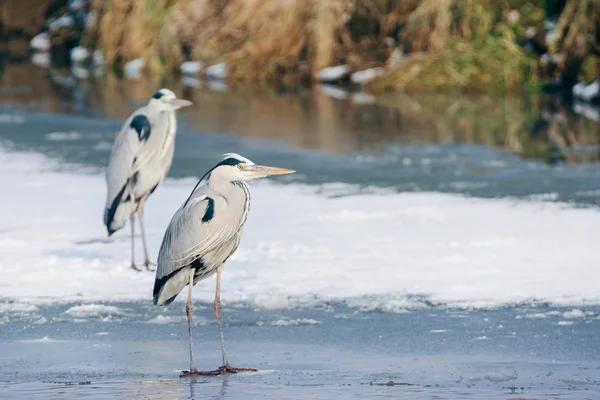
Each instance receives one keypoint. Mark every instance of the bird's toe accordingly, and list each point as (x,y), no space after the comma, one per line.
(133,267)
(233,370)
(148,264)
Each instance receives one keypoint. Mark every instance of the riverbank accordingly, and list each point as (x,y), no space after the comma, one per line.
(416,45)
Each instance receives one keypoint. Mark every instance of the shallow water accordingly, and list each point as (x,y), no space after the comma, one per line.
(356,336)
(122,349)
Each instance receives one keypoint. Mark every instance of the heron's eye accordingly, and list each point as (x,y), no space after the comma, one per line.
(163,99)
(240,166)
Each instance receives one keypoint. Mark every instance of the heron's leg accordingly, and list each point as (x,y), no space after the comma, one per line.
(225,368)
(218,314)
(189,310)
(140,213)
(132,222)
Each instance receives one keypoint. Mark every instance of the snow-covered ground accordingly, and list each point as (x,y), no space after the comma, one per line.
(301,246)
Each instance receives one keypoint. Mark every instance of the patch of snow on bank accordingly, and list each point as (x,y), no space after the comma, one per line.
(392,252)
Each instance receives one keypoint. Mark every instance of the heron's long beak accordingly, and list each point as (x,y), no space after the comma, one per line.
(261,170)
(180,103)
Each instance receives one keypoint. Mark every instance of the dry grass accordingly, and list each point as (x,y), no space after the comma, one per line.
(494,61)
(433,21)
(264,40)
(468,43)
(578,37)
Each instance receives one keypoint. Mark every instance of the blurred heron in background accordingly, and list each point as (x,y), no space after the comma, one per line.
(140,159)
(203,234)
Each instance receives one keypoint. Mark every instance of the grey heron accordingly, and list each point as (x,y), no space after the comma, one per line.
(204,232)
(139,160)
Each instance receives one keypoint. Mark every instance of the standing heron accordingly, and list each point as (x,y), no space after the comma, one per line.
(203,234)
(140,159)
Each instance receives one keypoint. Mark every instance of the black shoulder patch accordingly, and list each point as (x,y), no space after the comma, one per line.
(157,95)
(210,210)
(142,126)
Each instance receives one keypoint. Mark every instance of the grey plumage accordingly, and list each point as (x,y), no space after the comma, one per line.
(195,238)
(204,232)
(141,157)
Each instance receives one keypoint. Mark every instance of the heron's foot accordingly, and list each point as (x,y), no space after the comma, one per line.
(225,369)
(192,372)
(135,268)
(149,264)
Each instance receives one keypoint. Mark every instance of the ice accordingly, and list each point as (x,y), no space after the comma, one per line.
(11,119)
(295,322)
(303,246)
(574,314)
(17,308)
(291,322)
(565,323)
(45,339)
(60,136)
(93,310)
(437,330)
(165,319)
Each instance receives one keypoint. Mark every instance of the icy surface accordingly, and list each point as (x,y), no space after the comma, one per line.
(301,248)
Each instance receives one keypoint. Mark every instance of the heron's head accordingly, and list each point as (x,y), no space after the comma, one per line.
(234,167)
(165,100)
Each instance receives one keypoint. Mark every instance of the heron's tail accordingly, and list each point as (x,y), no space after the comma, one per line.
(168,287)
(116,213)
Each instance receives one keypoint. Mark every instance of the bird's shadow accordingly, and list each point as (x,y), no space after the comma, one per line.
(104,240)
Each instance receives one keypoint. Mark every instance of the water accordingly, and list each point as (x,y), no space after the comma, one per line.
(333,352)
(405,344)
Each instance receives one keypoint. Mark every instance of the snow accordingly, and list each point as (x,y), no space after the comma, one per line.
(64,21)
(42,60)
(62,136)
(191,68)
(165,319)
(365,76)
(45,339)
(574,314)
(293,322)
(217,71)
(79,54)
(334,74)
(589,92)
(133,69)
(303,246)
(99,59)
(11,119)
(40,42)
(93,310)
(578,88)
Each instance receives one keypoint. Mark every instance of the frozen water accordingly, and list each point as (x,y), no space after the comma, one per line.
(391,252)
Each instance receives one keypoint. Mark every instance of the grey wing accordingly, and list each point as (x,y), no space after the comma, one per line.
(192,233)
(121,167)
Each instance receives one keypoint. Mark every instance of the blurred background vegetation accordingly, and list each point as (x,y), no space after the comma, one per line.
(471,45)
(400,56)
